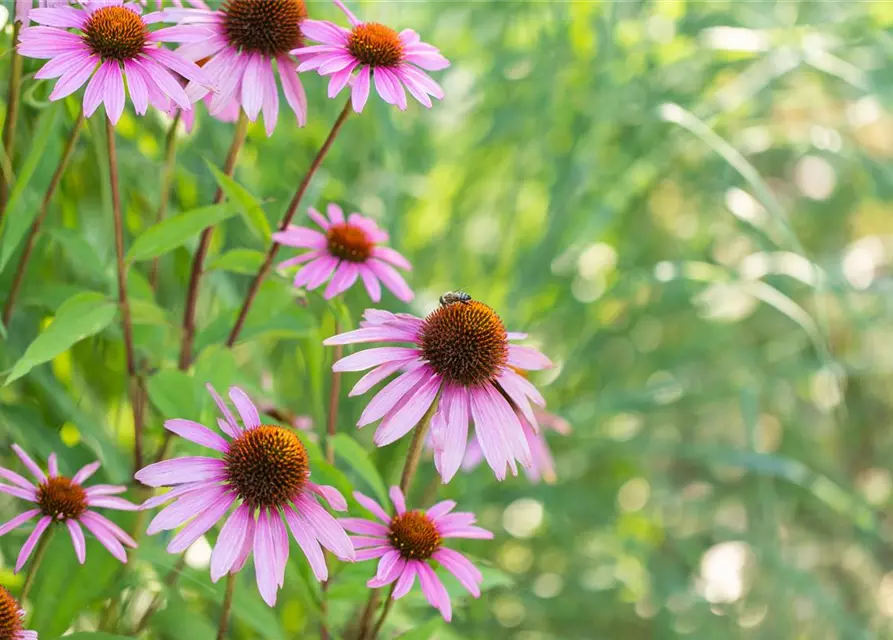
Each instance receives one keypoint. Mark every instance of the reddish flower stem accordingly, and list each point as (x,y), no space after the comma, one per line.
(198,261)
(286,220)
(227,605)
(12,112)
(126,325)
(19,275)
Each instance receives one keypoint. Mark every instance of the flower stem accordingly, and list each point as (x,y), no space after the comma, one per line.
(127,327)
(12,113)
(409,469)
(36,559)
(286,220)
(331,431)
(167,177)
(227,605)
(19,275)
(198,261)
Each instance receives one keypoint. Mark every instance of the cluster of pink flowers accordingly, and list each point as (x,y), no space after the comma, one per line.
(457,370)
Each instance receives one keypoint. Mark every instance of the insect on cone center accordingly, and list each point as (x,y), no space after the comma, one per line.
(375,45)
(10,620)
(349,242)
(414,535)
(115,33)
(269,27)
(268,466)
(61,499)
(466,343)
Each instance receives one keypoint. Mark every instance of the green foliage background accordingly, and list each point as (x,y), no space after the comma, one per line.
(698,236)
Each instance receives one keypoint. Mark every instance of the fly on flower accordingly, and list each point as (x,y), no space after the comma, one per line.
(378,54)
(264,470)
(105,42)
(347,250)
(246,39)
(409,540)
(462,354)
(60,500)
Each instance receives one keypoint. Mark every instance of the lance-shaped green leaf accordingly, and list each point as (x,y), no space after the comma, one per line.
(250,206)
(174,232)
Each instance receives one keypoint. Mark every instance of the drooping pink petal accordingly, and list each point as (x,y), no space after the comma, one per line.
(398,422)
(345,275)
(28,547)
(96,88)
(360,93)
(373,552)
(462,568)
(371,505)
(252,93)
(370,281)
(392,393)
(404,582)
(308,543)
(487,431)
(359,525)
(390,567)
(108,525)
(391,279)
(197,433)
(65,63)
(264,559)
(280,545)
(77,539)
(18,521)
(230,542)
(455,439)
(184,509)
(106,538)
(293,89)
(329,494)
(202,522)
(373,334)
(114,93)
(380,373)
(29,463)
(527,358)
(111,502)
(180,490)
(25,494)
(327,530)
(180,470)
(136,83)
(247,545)
(271,96)
(434,591)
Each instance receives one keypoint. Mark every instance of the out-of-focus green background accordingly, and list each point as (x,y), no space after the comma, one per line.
(687,204)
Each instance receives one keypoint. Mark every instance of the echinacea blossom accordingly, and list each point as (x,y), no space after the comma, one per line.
(543,466)
(264,470)
(461,354)
(111,42)
(379,54)
(345,250)
(64,500)
(12,617)
(247,39)
(409,540)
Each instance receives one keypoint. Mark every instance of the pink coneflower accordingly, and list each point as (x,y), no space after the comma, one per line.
(265,470)
(460,352)
(406,543)
(389,59)
(112,42)
(247,37)
(542,465)
(347,250)
(61,499)
(12,617)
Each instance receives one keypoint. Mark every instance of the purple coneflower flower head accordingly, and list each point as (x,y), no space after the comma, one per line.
(409,540)
(381,56)
(461,353)
(12,618)
(542,465)
(111,42)
(345,250)
(264,471)
(63,500)
(248,38)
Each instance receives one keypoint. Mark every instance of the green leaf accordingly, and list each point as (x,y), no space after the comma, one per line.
(174,394)
(16,223)
(95,635)
(79,317)
(146,312)
(173,232)
(350,451)
(245,261)
(250,206)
